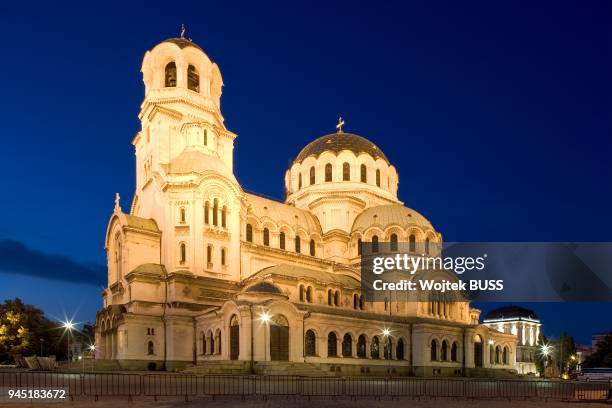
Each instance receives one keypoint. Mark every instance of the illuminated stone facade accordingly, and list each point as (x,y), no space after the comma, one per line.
(522,323)
(197,265)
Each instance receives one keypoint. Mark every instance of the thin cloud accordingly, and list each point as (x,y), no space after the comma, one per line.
(18,258)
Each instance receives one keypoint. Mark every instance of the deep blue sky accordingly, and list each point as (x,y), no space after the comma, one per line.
(497,116)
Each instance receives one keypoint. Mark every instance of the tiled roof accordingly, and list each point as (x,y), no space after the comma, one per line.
(337,142)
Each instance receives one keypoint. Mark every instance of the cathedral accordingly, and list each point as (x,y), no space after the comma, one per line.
(203,274)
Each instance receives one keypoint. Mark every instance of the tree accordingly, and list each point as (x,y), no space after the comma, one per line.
(22,327)
(602,356)
(540,357)
(564,349)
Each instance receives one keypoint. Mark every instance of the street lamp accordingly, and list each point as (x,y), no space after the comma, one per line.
(545,350)
(387,333)
(265,319)
(68,326)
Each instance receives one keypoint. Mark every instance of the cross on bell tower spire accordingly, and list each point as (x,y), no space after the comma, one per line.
(340,124)
(183,29)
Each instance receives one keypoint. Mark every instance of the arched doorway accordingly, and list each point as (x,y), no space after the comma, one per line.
(279,338)
(477,351)
(234,338)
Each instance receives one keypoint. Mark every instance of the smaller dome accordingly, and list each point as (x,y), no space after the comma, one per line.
(511,312)
(337,142)
(264,287)
(384,216)
(183,42)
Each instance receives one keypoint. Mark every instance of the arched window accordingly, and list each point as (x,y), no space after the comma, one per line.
(266,237)
(211,342)
(444,350)
(337,298)
(224,217)
(377,177)
(328,172)
(203,340)
(312,247)
(298,242)
(355,301)
(399,350)
(454,351)
(209,249)
(193,79)
(375,348)
(505,357)
(218,341)
(497,355)
(360,302)
(118,256)
(183,255)
(215,212)
(434,350)
(375,243)
(364,173)
(492,354)
(223,260)
(347,345)
(205,137)
(427,246)
(182,216)
(359,247)
(312,175)
(309,294)
(281,240)
(302,293)
(394,242)
(300,180)
(361,346)
(249,233)
(150,348)
(412,243)
(332,345)
(330,297)
(206,212)
(346,172)
(310,343)
(170,75)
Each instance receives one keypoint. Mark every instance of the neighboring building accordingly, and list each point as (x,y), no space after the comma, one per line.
(199,270)
(520,322)
(597,338)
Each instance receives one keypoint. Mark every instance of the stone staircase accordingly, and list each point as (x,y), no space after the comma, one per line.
(488,373)
(89,366)
(219,368)
(260,368)
(289,368)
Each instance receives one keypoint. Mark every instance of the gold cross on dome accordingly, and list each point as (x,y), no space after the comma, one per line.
(340,124)
(183,29)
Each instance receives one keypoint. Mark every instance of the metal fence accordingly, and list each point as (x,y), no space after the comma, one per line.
(184,385)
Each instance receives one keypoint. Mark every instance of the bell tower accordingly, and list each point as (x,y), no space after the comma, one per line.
(184,160)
